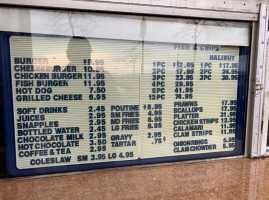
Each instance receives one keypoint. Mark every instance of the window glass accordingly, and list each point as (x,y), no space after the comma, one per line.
(96,90)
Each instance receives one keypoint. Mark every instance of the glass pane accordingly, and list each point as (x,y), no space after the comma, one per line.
(148,90)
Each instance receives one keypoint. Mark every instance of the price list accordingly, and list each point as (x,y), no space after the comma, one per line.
(87,100)
(188,99)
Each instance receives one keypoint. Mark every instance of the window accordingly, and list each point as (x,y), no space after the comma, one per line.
(87,90)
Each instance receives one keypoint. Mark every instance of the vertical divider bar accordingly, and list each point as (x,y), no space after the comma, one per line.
(251,87)
(265,114)
(259,92)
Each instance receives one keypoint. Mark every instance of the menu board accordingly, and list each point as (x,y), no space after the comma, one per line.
(88,103)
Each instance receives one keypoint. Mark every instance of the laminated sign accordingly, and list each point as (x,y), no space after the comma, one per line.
(76,103)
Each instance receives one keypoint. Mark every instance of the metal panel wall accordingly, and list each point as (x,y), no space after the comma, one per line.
(219,9)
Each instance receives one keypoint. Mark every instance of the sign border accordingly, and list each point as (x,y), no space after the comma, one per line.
(10,133)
